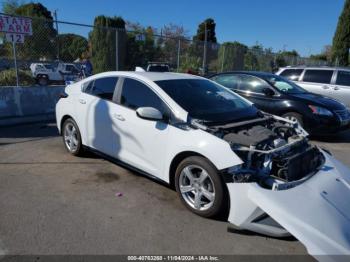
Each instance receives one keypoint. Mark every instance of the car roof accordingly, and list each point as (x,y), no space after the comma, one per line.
(253,73)
(153,76)
(317,67)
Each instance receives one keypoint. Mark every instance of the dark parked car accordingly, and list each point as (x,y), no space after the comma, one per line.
(279,96)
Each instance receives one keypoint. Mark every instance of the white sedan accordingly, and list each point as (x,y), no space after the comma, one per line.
(216,149)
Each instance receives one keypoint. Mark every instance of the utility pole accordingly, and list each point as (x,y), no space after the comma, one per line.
(178,54)
(205,49)
(15,60)
(57,38)
(117,49)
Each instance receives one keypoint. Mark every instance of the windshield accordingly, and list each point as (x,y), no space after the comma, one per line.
(207,101)
(158,68)
(283,85)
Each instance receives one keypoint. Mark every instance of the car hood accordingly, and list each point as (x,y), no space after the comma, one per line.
(316,212)
(319,100)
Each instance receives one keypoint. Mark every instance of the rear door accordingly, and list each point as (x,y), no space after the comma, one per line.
(318,81)
(341,89)
(95,109)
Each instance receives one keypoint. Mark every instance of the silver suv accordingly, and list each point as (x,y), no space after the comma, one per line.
(328,81)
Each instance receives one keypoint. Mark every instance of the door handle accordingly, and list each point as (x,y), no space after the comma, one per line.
(82,101)
(119,117)
(325,87)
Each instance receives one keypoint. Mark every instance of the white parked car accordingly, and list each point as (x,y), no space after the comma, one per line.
(218,151)
(333,82)
(45,73)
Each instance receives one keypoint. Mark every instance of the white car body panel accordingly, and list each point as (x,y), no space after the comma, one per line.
(315,210)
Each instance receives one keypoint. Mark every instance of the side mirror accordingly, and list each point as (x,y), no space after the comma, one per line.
(149,113)
(268,92)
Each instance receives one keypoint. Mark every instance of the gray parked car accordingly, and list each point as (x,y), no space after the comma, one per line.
(333,82)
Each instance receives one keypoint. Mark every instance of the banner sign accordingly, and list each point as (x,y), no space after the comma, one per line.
(15,25)
(14,38)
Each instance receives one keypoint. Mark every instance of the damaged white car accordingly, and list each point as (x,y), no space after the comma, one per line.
(218,151)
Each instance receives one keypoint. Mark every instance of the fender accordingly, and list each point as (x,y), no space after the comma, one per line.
(213,148)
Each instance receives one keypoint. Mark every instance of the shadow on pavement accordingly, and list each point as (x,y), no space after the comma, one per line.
(29,131)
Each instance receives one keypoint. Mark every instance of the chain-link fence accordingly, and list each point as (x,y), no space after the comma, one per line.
(50,56)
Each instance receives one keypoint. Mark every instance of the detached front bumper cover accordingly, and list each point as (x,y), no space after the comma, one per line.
(316,212)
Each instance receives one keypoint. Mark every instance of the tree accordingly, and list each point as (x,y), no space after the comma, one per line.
(285,58)
(251,61)
(72,46)
(231,56)
(325,55)
(9,6)
(252,57)
(280,60)
(210,24)
(140,46)
(42,44)
(341,39)
(102,40)
(171,35)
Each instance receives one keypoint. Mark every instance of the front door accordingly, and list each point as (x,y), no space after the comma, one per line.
(143,143)
(252,88)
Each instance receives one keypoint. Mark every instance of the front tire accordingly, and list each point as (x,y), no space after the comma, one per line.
(295,117)
(71,137)
(43,80)
(200,187)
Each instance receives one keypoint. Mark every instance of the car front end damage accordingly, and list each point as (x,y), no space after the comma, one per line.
(286,185)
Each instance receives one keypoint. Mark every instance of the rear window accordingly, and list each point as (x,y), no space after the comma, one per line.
(343,78)
(318,76)
(292,74)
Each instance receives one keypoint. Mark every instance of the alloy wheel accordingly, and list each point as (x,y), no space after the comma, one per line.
(196,187)
(71,137)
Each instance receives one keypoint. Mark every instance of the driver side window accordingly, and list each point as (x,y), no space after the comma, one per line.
(136,94)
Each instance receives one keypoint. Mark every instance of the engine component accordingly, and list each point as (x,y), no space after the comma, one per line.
(298,165)
(250,137)
(271,149)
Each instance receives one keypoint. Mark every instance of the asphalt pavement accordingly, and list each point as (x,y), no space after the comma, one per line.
(53,203)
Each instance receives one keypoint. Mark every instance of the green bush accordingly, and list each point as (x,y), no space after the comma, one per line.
(8,78)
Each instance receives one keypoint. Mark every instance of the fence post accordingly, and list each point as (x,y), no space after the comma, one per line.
(116,49)
(178,54)
(57,38)
(15,61)
(223,58)
(205,49)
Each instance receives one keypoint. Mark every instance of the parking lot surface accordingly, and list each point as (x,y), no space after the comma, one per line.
(54,203)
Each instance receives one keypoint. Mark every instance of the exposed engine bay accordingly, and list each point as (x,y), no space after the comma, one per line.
(274,150)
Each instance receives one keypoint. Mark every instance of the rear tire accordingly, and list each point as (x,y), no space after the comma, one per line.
(71,137)
(200,187)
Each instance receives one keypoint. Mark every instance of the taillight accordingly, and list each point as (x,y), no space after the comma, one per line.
(63,95)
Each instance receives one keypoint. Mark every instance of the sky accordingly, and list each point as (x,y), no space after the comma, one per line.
(304,25)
